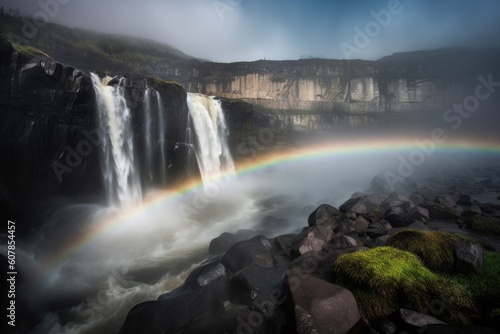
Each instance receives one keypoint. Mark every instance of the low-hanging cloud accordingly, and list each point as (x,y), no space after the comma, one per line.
(234,30)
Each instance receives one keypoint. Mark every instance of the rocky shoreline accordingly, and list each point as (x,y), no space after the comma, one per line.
(373,265)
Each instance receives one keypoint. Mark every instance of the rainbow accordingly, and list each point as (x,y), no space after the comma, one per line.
(341,148)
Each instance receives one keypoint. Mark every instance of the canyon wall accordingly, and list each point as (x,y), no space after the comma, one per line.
(423,81)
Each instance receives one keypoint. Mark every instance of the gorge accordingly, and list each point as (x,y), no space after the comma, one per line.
(120,181)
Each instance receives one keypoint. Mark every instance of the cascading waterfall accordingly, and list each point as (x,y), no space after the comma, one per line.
(161,138)
(154,137)
(120,173)
(206,135)
(147,134)
(211,148)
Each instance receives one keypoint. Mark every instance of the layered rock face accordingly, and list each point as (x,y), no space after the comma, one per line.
(411,82)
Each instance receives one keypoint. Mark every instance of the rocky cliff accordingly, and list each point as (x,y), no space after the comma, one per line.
(410,82)
(50,139)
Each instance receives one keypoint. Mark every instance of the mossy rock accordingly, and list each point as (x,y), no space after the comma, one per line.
(489,225)
(485,287)
(385,279)
(434,248)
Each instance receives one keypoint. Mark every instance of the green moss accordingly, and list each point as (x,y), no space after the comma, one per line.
(485,286)
(483,224)
(29,51)
(434,248)
(385,279)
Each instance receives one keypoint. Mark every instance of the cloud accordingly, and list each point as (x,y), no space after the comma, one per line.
(233,30)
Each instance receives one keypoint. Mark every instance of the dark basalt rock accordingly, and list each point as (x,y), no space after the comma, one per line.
(254,251)
(283,244)
(406,218)
(176,312)
(360,224)
(324,214)
(316,238)
(418,319)
(440,211)
(465,200)
(396,200)
(376,232)
(341,241)
(321,307)
(469,257)
(257,285)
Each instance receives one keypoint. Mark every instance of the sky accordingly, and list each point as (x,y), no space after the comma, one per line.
(246,30)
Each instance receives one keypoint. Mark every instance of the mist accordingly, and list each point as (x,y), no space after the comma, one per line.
(247,30)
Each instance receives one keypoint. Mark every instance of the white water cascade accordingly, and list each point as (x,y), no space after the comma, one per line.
(162,141)
(155,135)
(120,173)
(211,148)
(147,134)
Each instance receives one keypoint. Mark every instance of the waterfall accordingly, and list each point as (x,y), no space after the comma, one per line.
(147,134)
(161,138)
(153,115)
(121,177)
(211,148)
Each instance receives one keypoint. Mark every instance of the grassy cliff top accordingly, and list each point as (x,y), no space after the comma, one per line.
(90,50)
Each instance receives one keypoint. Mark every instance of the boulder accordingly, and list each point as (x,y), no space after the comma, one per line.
(324,214)
(341,241)
(413,226)
(283,244)
(184,308)
(446,200)
(321,307)
(204,274)
(406,218)
(256,285)
(346,227)
(418,319)
(440,211)
(376,232)
(318,264)
(222,243)
(244,253)
(469,257)
(396,200)
(360,224)
(355,205)
(314,238)
(465,200)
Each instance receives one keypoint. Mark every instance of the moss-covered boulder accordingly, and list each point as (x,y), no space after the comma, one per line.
(436,249)
(485,288)
(489,225)
(385,279)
